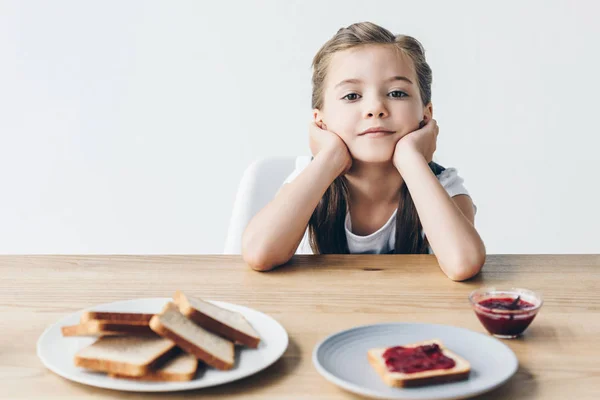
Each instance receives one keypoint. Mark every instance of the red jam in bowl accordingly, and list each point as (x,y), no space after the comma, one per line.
(505,313)
(409,360)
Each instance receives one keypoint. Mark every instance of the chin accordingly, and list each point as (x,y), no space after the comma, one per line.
(369,156)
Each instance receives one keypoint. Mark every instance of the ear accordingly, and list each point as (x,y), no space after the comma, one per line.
(318,118)
(428,112)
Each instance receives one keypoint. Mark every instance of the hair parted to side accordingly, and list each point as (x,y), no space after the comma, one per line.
(326,226)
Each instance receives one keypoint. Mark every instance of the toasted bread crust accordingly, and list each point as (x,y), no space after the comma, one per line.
(126,318)
(163,375)
(191,348)
(84,330)
(122,368)
(104,328)
(157,376)
(380,368)
(132,329)
(212,324)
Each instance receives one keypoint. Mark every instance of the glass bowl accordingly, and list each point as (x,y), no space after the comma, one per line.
(505,313)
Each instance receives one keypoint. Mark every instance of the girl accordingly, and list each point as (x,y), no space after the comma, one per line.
(371,186)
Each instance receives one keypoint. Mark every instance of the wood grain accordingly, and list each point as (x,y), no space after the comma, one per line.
(311,297)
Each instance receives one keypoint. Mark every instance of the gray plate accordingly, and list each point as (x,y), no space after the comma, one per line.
(342,359)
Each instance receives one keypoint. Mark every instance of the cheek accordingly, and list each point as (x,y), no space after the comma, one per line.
(415,112)
(342,122)
(407,118)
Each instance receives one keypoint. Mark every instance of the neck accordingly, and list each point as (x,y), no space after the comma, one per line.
(375,183)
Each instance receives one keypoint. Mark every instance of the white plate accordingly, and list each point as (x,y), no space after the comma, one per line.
(342,359)
(57,352)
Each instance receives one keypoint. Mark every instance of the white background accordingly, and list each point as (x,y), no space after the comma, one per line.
(125,127)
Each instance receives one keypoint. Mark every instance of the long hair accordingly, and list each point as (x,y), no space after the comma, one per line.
(326,225)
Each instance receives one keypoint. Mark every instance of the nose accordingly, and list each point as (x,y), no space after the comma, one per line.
(376,107)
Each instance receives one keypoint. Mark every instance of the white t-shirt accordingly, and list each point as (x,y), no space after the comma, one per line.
(383,240)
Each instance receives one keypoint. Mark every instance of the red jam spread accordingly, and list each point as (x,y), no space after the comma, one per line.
(409,360)
(499,323)
(506,303)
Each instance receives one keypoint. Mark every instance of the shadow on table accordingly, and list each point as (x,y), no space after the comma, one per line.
(283,367)
(522,385)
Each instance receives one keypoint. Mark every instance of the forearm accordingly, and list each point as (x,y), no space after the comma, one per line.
(453,238)
(273,235)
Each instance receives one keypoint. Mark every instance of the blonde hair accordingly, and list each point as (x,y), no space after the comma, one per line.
(326,226)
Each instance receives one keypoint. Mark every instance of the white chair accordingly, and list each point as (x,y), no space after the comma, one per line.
(260,183)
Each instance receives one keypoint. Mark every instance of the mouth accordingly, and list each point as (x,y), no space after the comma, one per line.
(376,132)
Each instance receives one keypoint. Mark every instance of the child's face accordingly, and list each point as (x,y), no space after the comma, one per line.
(375,99)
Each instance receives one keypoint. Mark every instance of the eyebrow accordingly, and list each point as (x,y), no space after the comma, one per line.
(392,79)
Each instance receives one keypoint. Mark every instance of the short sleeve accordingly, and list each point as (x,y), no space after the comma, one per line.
(453,183)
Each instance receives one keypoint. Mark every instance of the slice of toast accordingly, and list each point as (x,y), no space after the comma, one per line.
(103,323)
(87,329)
(106,328)
(125,318)
(204,345)
(182,367)
(460,371)
(229,324)
(125,355)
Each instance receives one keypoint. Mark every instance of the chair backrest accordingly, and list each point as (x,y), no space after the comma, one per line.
(260,183)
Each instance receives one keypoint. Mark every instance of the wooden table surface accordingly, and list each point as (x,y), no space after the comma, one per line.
(312,297)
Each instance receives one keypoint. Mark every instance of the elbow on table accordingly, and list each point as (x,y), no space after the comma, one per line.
(258,263)
(260,259)
(263,254)
(252,254)
(465,267)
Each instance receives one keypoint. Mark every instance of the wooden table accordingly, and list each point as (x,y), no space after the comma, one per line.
(311,297)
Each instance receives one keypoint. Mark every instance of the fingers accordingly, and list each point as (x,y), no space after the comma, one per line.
(317,125)
(433,125)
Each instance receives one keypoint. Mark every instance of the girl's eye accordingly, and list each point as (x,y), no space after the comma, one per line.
(351,96)
(397,94)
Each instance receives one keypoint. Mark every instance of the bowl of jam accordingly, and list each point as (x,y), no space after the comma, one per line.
(505,313)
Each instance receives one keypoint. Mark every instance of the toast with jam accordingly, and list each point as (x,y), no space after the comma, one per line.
(418,364)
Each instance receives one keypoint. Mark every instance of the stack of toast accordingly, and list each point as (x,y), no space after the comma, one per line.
(166,346)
